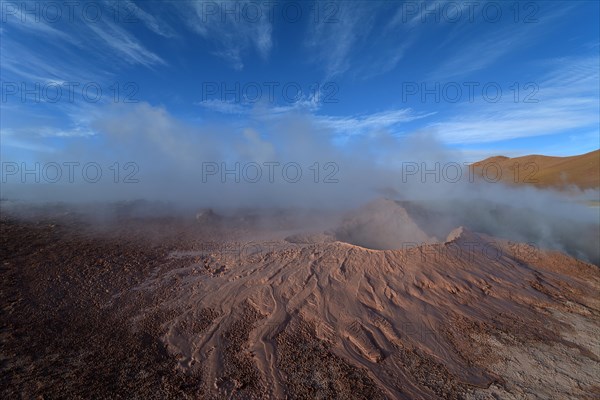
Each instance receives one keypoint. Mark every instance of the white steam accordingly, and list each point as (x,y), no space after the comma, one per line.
(227,165)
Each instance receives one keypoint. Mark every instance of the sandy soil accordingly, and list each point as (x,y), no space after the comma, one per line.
(171,308)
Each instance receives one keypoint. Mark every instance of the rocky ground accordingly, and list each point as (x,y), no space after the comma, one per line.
(168,308)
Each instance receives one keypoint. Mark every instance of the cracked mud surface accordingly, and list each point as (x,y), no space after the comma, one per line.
(87,314)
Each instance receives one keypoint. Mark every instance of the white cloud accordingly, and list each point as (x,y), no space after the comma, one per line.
(484,49)
(223,107)
(568,99)
(124,44)
(133,11)
(15,16)
(233,31)
(332,44)
(360,124)
(478,55)
(344,125)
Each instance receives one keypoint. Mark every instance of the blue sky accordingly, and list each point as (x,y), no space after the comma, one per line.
(487,78)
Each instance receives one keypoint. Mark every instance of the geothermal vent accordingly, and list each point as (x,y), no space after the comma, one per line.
(382,224)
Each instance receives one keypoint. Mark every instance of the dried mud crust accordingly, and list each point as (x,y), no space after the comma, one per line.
(312,371)
(60,338)
(117,316)
(423,371)
(240,378)
(529,362)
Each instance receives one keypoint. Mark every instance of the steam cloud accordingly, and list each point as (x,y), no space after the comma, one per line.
(183,164)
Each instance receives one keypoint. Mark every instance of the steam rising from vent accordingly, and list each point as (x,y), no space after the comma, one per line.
(290,161)
(382,224)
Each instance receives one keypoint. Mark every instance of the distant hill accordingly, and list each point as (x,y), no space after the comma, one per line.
(544,171)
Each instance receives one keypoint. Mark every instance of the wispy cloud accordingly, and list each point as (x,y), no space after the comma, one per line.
(232,35)
(124,44)
(150,21)
(416,13)
(340,124)
(16,17)
(260,109)
(223,107)
(46,64)
(568,99)
(69,32)
(479,54)
(360,124)
(332,44)
(497,41)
